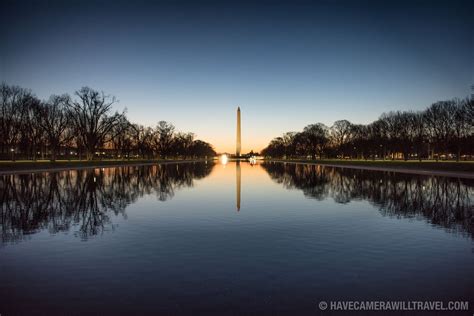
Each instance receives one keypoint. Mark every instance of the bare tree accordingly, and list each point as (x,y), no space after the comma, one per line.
(55,121)
(11,117)
(92,118)
(461,126)
(289,143)
(340,134)
(143,140)
(163,139)
(439,117)
(122,138)
(317,138)
(182,143)
(200,148)
(418,128)
(359,140)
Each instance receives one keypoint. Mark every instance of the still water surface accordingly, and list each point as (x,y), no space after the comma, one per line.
(204,238)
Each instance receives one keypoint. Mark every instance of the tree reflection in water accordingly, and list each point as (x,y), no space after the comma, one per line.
(442,201)
(85,198)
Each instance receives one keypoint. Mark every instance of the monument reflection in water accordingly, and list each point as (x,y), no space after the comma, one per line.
(167,239)
(86,198)
(238,184)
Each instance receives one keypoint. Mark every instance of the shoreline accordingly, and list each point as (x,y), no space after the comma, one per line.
(411,167)
(41,167)
(396,168)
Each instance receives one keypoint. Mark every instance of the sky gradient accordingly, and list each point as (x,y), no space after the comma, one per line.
(286,65)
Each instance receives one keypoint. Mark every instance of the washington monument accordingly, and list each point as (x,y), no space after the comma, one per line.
(238,144)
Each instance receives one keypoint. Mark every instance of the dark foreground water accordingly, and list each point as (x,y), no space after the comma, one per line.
(196,238)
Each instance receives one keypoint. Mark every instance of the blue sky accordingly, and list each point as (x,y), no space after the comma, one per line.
(287,64)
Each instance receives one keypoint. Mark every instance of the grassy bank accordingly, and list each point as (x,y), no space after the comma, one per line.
(44,165)
(427,165)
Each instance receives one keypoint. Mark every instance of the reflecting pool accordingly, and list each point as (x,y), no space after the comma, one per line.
(230,239)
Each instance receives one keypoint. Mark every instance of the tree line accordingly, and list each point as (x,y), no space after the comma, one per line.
(84,126)
(445,130)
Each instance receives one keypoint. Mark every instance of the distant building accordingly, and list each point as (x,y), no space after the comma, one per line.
(238,144)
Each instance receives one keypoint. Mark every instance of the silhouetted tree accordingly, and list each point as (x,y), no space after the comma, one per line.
(439,118)
(340,135)
(200,148)
(181,144)
(55,122)
(316,137)
(122,137)
(460,125)
(92,118)
(17,106)
(163,138)
(143,140)
(418,128)
(289,144)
